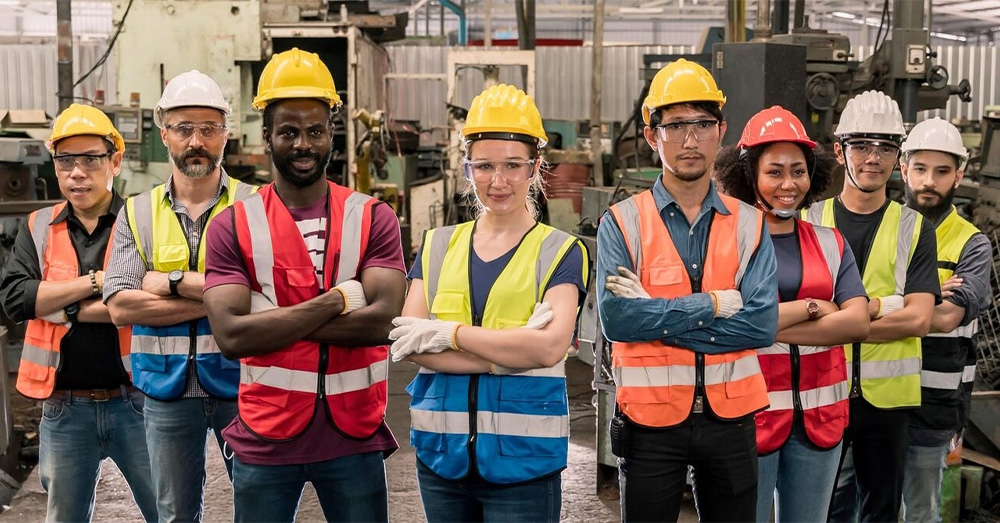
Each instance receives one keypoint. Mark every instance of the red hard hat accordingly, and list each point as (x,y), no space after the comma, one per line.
(775,124)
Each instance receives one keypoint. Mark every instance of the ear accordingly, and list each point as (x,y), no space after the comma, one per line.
(903,168)
(650,136)
(116,163)
(838,150)
(958,177)
(265,134)
(163,136)
(722,130)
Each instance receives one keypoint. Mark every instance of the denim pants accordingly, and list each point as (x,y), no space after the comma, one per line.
(799,476)
(476,499)
(176,432)
(75,436)
(351,488)
(922,474)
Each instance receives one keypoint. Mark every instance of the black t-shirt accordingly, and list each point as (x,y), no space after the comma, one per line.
(859,232)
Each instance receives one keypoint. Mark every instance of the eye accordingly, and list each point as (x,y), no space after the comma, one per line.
(704,125)
(89,160)
(286,133)
(674,126)
(886,150)
(800,172)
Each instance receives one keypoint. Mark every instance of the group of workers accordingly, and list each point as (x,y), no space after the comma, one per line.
(262,315)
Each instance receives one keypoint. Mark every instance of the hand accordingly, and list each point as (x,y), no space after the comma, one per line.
(58,317)
(260,303)
(891,304)
(728,302)
(156,282)
(949,286)
(418,335)
(354,295)
(626,285)
(540,317)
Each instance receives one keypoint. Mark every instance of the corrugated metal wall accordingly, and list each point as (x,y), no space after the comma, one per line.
(30,80)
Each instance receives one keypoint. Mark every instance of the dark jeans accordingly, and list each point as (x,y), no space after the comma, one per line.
(476,499)
(870,485)
(723,454)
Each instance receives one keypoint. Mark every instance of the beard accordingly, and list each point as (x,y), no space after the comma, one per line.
(934,211)
(298,178)
(196,170)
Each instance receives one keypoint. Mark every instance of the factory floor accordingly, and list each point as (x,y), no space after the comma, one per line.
(580,499)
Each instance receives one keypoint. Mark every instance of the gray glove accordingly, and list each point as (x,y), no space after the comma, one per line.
(354,295)
(729,302)
(626,285)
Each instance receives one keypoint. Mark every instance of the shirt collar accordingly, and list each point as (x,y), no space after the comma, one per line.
(223,185)
(67,211)
(664,199)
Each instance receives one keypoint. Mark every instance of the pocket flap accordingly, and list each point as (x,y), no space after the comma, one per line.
(172,254)
(299,276)
(666,274)
(449,302)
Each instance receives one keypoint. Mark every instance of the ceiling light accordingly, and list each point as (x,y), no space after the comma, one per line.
(947,36)
(841,14)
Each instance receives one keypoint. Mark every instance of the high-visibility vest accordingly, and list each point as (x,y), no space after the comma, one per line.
(807,380)
(657,382)
(57,259)
(161,355)
(949,359)
(887,374)
(515,426)
(278,391)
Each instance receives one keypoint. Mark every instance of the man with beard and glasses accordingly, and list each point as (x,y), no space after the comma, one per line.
(154,283)
(689,291)
(895,251)
(307,314)
(933,164)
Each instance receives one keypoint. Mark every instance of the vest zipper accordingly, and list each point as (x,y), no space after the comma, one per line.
(324,356)
(796,401)
(855,371)
(473,409)
(699,364)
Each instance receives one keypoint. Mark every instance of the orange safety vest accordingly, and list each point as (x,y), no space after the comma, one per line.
(40,360)
(657,382)
(278,391)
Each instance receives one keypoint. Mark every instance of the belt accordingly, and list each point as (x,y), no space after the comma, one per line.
(96,394)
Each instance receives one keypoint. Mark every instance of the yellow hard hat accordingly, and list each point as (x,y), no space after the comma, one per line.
(295,74)
(679,82)
(504,109)
(84,120)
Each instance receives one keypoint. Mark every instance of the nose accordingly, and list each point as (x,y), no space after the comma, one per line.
(689,142)
(301,142)
(787,183)
(196,139)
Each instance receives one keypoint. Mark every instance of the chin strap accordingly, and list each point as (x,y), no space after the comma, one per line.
(784,214)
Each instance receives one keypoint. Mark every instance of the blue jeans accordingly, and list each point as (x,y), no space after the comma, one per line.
(479,500)
(799,477)
(176,433)
(75,436)
(922,473)
(351,488)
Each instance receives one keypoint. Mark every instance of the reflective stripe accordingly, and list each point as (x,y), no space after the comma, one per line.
(306,381)
(127,362)
(499,423)
(742,368)
(783,349)
(940,380)
(890,369)
(967,331)
(40,356)
(173,345)
(809,399)
(260,237)
(831,250)
(243,190)
(747,232)
(440,239)
(546,259)
(814,214)
(907,223)
(969,374)
(629,225)
(663,376)
(40,234)
(350,237)
(142,218)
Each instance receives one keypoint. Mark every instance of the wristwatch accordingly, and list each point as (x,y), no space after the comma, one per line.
(175,277)
(812,308)
(71,311)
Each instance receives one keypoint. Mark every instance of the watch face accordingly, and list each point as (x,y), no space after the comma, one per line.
(175,276)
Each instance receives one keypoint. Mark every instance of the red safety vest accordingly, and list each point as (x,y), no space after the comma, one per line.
(656,381)
(278,391)
(807,379)
(40,358)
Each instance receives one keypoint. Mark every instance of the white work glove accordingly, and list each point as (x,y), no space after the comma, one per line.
(540,317)
(625,285)
(354,295)
(729,302)
(418,336)
(59,318)
(890,304)
(260,303)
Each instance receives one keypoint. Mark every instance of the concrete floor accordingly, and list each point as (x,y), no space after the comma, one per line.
(580,500)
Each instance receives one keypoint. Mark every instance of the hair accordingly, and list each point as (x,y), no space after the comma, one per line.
(536,189)
(736,171)
(954,157)
(712,108)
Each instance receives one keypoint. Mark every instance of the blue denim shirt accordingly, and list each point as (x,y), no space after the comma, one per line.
(688,321)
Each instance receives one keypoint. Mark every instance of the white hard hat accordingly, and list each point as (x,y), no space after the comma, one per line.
(190,89)
(871,112)
(936,135)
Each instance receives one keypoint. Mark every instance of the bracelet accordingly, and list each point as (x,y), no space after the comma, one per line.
(93,282)
(493,368)
(346,301)
(879,313)
(715,303)
(454,338)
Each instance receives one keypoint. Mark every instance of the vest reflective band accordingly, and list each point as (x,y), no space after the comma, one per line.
(889,372)
(516,426)
(161,354)
(278,391)
(57,260)
(807,379)
(948,358)
(656,382)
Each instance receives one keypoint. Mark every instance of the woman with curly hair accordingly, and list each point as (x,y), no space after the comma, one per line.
(823,305)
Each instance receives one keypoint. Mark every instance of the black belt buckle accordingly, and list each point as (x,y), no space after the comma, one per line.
(101,394)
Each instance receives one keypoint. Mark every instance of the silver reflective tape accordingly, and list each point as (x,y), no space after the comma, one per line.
(724,372)
(664,376)
(161,346)
(890,368)
(263,253)
(809,399)
(350,237)
(967,331)
(40,235)
(940,380)
(40,356)
(440,422)
(969,374)
(358,379)
(523,425)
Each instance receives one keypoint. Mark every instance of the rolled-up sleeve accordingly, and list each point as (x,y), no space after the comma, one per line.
(637,319)
(125,269)
(21,277)
(974,268)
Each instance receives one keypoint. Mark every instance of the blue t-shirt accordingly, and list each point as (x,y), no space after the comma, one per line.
(485,273)
(789,257)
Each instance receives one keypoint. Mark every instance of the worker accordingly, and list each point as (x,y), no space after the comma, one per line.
(776,167)
(290,304)
(73,357)
(489,318)
(155,280)
(933,164)
(895,251)
(687,293)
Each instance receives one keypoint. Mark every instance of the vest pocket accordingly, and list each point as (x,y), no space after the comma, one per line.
(60,272)
(299,276)
(741,369)
(174,255)
(450,305)
(526,425)
(428,419)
